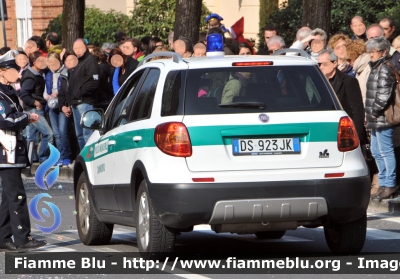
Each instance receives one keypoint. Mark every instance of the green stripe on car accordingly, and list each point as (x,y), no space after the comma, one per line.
(223,135)
(307,132)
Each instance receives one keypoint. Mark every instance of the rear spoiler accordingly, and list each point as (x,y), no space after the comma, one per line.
(175,57)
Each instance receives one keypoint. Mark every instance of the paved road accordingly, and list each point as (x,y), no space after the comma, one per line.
(383,236)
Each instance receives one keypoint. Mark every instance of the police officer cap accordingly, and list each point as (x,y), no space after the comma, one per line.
(7,60)
(215,16)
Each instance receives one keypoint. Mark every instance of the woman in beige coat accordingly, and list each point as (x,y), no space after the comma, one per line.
(359,59)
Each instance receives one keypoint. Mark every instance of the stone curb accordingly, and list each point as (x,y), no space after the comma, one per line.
(65,173)
(385,206)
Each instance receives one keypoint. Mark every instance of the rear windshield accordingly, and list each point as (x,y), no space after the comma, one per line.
(249,89)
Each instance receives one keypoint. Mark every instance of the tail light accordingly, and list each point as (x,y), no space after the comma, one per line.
(347,135)
(261,63)
(173,139)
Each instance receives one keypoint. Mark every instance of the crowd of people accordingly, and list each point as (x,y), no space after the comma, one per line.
(44,90)
(60,86)
(361,69)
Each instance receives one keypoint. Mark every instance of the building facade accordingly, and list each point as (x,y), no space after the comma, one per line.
(230,10)
(27,18)
(122,6)
(31,17)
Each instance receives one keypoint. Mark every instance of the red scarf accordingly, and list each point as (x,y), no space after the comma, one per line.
(138,54)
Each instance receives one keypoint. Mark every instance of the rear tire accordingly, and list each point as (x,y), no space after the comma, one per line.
(91,231)
(151,235)
(347,238)
(270,234)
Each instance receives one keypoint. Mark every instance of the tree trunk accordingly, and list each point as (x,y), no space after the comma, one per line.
(72,21)
(317,14)
(187,19)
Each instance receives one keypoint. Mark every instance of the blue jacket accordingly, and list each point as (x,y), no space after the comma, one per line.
(349,70)
(49,82)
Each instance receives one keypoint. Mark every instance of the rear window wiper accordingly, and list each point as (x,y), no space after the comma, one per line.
(259,105)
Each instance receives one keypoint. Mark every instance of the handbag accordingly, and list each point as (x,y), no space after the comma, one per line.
(392,113)
(53,103)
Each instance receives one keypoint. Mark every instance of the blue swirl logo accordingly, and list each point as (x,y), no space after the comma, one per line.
(45,166)
(45,182)
(33,208)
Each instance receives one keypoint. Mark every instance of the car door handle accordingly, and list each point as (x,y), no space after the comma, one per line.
(111,142)
(137,138)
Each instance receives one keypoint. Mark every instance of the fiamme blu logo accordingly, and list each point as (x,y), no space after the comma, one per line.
(43,210)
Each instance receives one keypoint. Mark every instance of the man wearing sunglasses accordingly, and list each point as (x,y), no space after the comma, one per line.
(120,37)
(347,90)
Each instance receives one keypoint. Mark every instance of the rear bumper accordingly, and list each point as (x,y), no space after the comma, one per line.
(184,205)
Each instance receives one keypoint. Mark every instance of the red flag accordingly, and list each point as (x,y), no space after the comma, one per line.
(238,30)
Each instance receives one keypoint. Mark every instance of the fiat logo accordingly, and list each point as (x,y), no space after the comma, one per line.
(263,118)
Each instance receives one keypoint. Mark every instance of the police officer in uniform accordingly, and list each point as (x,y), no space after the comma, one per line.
(14,214)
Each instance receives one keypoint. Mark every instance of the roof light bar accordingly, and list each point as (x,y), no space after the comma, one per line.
(215,45)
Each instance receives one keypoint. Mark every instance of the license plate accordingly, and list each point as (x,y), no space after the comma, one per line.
(265,146)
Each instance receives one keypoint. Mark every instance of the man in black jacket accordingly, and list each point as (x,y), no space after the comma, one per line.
(269,31)
(389,27)
(32,88)
(83,83)
(347,90)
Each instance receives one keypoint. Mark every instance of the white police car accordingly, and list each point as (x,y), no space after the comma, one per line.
(247,144)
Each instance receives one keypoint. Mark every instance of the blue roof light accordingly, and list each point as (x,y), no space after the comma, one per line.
(215,45)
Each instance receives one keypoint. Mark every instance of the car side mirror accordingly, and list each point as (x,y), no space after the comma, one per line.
(93,119)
